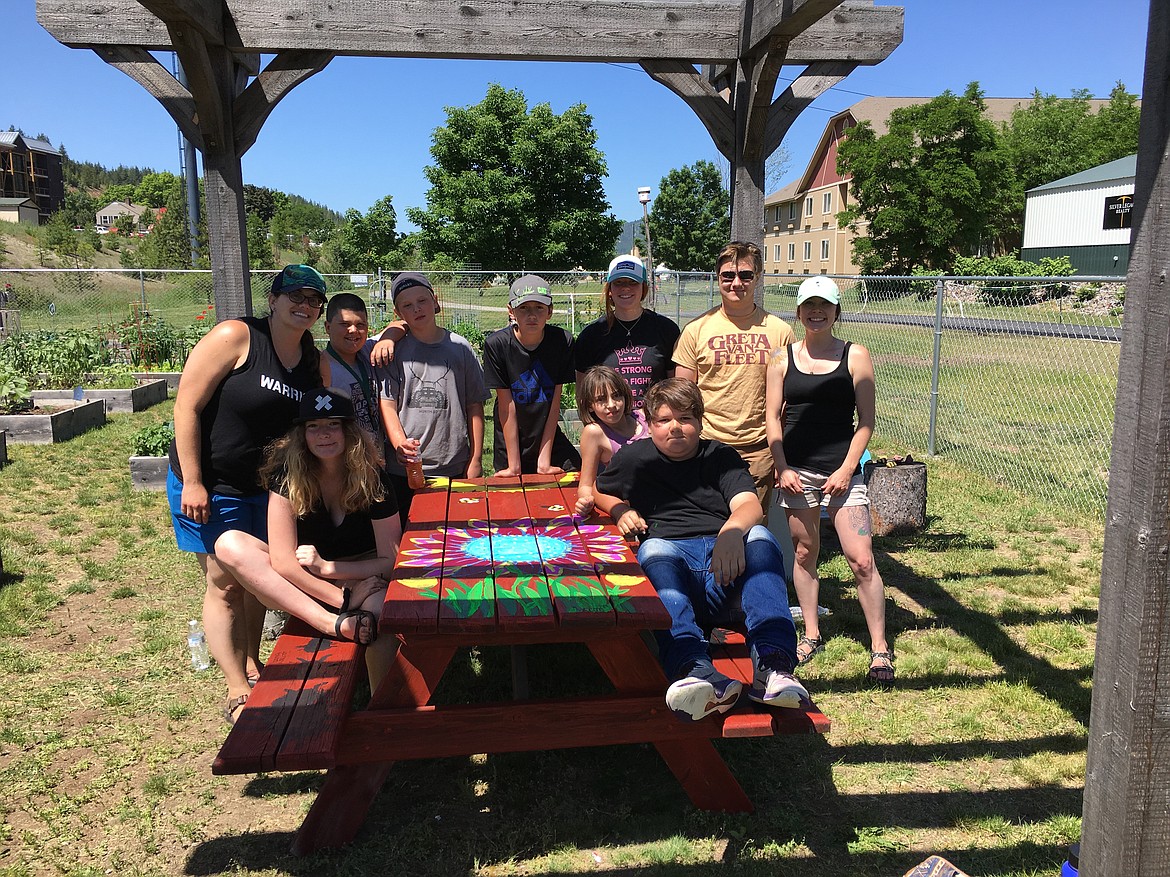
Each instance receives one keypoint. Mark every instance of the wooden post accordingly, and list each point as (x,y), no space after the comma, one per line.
(223,186)
(1126,826)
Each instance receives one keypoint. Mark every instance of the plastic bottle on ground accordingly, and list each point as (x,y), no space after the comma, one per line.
(197,644)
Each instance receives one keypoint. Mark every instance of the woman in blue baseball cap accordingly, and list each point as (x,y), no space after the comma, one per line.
(240,389)
(634,342)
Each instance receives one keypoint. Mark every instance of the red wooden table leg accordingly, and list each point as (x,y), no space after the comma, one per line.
(696,764)
(345,798)
(704,775)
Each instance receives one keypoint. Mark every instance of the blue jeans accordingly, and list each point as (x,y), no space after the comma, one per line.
(678,569)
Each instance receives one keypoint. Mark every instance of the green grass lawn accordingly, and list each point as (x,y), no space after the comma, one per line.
(107,736)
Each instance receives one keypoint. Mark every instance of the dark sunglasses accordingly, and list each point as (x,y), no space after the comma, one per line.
(744,275)
(298,296)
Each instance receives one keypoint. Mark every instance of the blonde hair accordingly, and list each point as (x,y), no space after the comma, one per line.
(290,461)
(593,383)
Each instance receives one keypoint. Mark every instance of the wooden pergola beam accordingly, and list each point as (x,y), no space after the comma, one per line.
(283,73)
(142,67)
(697,31)
(708,104)
(205,16)
(767,20)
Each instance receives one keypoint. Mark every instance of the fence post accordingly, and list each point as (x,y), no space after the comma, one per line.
(938,313)
(142,288)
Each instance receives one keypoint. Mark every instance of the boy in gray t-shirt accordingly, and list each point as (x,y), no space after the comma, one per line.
(432,393)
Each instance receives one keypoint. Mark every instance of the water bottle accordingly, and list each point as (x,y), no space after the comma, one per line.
(415,479)
(1071,866)
(197,643)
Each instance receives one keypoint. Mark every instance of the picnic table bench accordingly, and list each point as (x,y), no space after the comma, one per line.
(495,563)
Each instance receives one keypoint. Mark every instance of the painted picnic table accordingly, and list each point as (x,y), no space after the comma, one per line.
(504,562)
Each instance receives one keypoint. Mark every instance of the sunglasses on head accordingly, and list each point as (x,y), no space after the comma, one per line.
(745,275)
(300,296)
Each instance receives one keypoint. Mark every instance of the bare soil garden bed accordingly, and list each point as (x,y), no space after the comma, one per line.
(45,425)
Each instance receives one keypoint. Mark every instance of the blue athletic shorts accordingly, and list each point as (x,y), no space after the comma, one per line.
(247,513)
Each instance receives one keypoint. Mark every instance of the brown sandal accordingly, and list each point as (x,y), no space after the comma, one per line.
(233,704)
(813,644)
(881,668)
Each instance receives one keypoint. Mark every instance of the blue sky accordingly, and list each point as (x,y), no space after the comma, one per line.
(361,129)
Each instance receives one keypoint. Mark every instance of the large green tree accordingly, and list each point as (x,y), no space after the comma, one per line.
(516,188)
(691,217)
(934,187)
(366,241)
(168,245)
(156,188)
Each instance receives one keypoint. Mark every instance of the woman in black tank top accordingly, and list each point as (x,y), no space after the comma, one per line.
(240,389)
(815,388)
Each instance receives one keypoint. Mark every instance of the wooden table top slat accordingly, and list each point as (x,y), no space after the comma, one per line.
(524,603)
(428,507)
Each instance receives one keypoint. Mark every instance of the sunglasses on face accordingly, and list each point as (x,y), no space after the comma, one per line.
(298,296)
(744,275)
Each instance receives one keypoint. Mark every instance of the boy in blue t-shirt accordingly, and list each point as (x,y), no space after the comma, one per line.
(526,363)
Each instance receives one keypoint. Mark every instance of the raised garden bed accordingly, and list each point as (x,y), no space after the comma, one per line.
(59,424)
(139,398)
(172,378)
(149,473)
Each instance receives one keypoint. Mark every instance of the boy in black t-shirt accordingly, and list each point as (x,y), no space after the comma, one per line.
(693,504)
(526,363)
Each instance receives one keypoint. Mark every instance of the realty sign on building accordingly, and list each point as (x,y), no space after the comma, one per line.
(1118,211)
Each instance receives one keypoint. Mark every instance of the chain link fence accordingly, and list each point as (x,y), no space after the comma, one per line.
(1014,378)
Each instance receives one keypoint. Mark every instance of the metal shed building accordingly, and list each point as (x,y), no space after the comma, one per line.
(1085,217)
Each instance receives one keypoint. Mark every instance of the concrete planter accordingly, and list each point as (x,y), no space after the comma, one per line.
(58,426)
(116,401)
(149,473)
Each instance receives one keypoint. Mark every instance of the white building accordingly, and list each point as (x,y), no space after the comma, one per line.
(1086,217)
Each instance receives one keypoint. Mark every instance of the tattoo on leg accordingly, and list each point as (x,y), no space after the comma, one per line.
(859,519)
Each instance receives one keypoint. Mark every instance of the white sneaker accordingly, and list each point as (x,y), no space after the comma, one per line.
(704,690)
(774,683)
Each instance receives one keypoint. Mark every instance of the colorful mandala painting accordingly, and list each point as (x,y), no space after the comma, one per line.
(521,567)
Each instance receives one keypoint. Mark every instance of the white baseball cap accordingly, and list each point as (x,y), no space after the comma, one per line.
(818,287)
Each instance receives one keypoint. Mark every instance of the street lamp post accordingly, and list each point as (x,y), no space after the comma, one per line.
(644,197)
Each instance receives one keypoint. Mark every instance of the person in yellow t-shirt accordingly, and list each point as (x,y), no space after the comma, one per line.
(725,352)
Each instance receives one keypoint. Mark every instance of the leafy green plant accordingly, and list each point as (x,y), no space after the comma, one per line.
(55,359)
(154,440)
(14,393)
(470,330)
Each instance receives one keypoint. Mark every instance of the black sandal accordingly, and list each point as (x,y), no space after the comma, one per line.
(882,673)
(233,704)
(366,630)
(815,644)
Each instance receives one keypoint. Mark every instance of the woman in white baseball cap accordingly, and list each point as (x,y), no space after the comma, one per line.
(820,415)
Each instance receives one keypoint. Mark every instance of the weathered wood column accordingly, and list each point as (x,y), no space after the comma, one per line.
(1126,827)
(734,101)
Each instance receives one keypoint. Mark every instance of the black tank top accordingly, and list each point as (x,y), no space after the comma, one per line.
(253,405)
(818,416)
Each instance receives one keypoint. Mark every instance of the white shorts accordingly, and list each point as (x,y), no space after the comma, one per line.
(814,492)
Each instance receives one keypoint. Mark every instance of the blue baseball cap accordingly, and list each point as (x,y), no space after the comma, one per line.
(298,277)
